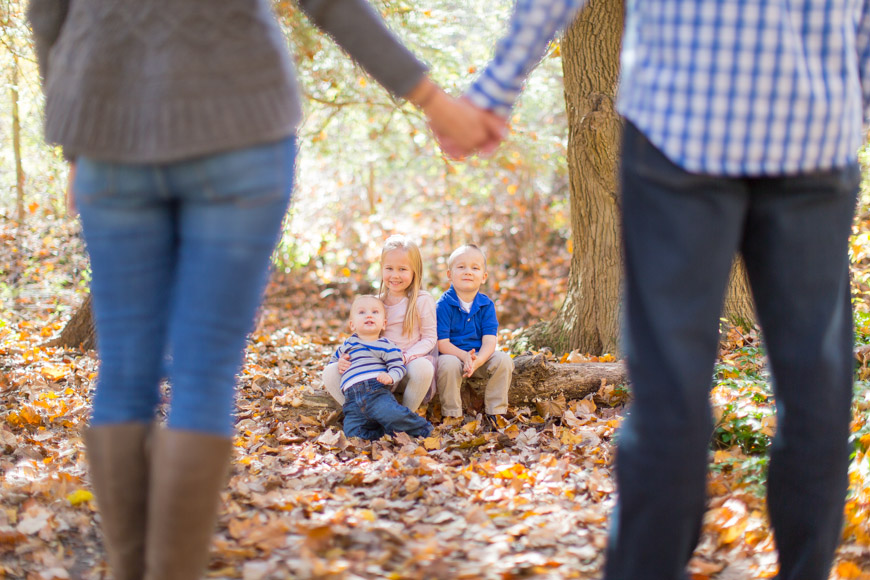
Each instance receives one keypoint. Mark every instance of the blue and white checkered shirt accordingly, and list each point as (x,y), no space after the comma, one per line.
(724,87)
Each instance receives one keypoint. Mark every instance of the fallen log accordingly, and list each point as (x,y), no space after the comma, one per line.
(535,378)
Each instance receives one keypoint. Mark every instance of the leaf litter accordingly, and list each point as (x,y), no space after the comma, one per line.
(530,500)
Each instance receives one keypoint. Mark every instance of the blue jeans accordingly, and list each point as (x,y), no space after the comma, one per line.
(371,410)
(681,231)
(180,256)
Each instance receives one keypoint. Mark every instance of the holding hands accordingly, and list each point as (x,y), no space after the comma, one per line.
(460,127)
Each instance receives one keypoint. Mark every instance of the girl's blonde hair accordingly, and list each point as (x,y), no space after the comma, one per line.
(400,242)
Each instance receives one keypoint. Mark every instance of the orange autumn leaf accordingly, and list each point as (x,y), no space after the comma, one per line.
(53,372)
(30,416)
(847,569)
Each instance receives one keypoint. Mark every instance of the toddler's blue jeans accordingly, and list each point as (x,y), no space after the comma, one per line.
(371,410)
(180,257)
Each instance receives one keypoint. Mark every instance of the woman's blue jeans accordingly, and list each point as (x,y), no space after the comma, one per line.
(180,257)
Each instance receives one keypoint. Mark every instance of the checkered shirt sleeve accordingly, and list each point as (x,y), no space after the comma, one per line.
(532,26)
(722,87)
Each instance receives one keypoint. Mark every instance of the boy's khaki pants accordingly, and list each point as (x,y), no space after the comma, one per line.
(416,382)
(448,378)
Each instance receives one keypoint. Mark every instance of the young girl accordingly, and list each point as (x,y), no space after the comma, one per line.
(411,323)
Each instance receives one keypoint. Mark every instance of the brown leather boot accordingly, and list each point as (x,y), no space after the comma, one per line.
(119,475)
(189,469)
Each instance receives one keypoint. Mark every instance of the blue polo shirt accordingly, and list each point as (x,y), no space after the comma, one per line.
(465,329)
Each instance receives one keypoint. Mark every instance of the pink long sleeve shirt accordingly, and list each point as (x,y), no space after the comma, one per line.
(425,335)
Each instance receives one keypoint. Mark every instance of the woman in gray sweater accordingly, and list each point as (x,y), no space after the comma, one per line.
(181,118)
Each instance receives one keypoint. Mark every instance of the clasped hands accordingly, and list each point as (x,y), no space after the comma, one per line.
(460,127)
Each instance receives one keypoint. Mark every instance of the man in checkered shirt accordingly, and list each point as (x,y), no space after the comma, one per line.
(742,123)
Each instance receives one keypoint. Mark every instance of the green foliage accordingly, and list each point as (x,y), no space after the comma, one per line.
(860,435)
(741,424)
(750,472)
(743,407)
(862,327)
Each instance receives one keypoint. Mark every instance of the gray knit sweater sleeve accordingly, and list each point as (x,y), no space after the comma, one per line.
(46,18)
(360,31)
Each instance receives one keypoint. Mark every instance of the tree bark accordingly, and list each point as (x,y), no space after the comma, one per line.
(79,332)
(739,307)
(536,378)
(589,318)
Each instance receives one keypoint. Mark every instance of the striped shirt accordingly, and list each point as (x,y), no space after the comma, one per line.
(368,359)
(723,87)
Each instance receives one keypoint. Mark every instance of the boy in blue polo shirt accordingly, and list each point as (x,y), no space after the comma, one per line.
(467,337)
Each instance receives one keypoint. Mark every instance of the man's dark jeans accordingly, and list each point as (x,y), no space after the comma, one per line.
(371,410)
(681,232)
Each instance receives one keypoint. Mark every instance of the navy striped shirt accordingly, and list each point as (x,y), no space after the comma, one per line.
(722,87)
(368,359)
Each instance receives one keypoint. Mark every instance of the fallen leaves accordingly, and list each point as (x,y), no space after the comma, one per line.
(529,500)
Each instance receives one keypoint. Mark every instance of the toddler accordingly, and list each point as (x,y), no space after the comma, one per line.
(375,363)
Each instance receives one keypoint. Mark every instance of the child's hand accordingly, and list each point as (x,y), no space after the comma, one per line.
(385,378)
(343,363)
(468,367)
(406,358)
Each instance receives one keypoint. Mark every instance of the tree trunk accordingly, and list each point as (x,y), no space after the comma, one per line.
(589,318)
(79,332)
(739,307)
(16,143)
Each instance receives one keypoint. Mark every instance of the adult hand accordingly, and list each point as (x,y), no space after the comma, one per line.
(496,126)
(460,128)
(343,363)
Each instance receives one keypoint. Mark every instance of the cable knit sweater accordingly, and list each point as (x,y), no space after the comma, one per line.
(147,81)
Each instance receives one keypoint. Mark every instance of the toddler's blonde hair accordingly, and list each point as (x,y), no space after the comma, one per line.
(400,242)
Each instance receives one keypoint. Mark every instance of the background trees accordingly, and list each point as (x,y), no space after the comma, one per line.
(589,318)
(367,169)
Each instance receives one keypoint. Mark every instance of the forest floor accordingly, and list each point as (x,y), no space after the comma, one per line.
(531,500)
